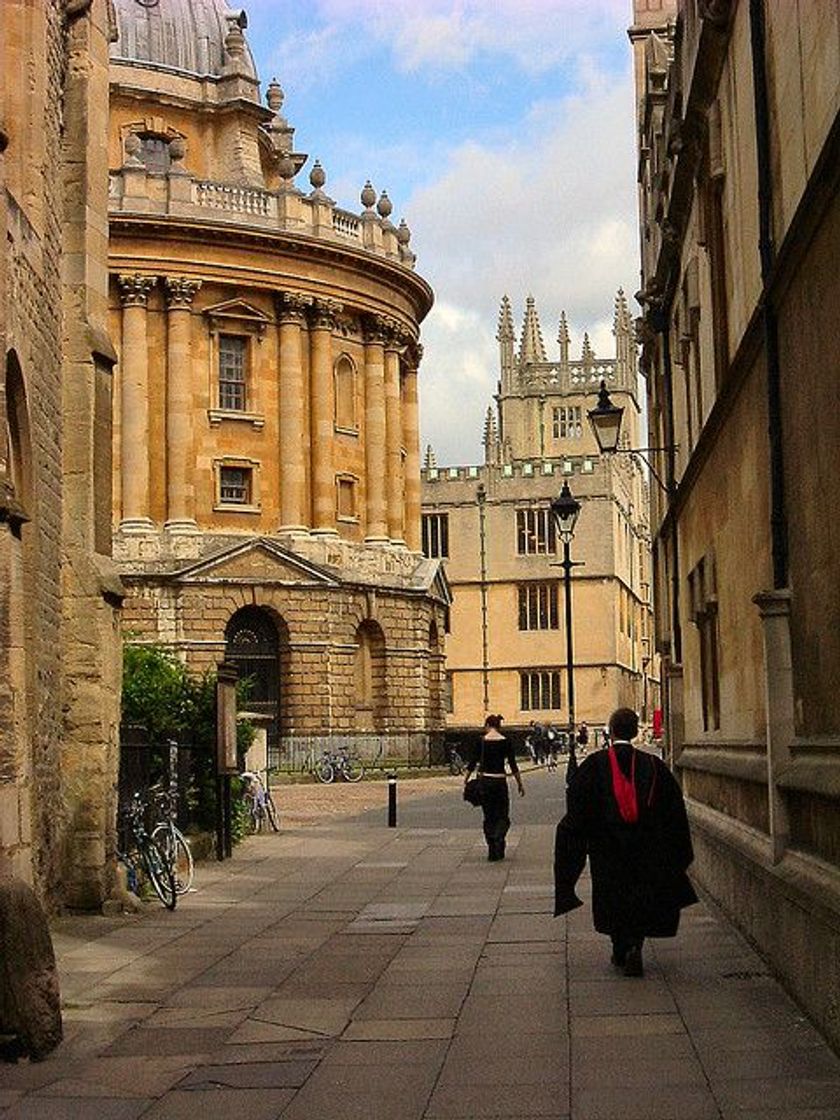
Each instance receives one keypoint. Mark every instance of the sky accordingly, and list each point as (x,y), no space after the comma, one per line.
(504,134)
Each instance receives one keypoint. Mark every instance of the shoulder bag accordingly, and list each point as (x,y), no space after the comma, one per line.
(474,788)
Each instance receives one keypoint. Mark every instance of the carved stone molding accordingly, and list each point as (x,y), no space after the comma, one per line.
(180,292)
(323,314)
(134,290)
(292,306)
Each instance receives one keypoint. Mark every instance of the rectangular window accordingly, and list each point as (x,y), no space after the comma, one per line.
(538,606)
(539,690)
(436,535)
(566,422)
(233,353)
(534,532)
(704,610)
(235,485)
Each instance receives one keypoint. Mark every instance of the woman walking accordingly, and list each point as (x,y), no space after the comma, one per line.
(490,758)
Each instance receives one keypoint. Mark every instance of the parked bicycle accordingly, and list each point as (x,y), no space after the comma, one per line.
(143,856)
(262,811)
(340,763)
(457,765)
(171,840)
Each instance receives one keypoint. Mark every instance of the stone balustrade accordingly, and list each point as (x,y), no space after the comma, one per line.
(133,190)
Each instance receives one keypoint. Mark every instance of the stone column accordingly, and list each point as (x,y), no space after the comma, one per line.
(134,380)
(376,531)
(291,309)
(411,436)
(393,437)
(180,449)
(322,398)
(774,608)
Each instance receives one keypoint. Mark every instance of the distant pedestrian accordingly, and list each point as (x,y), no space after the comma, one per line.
(625,811)
(583,738)
(489,758)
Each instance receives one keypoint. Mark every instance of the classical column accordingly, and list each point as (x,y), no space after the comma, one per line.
(411,436)
(322,398)
(134,379)
(291,311)
(376,531)
(394,436)
(180,449)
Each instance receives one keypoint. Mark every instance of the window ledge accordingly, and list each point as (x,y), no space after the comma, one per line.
(217,415)
(346,431)
(235,507)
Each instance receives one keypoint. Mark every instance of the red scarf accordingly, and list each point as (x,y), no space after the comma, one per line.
(624,789)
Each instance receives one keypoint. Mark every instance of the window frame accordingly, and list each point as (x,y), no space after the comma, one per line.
(538,605)
(542,684)
(535,523)
(440,519)
(252,467)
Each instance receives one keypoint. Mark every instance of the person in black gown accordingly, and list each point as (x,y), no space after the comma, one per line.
(625,811)
(490,756)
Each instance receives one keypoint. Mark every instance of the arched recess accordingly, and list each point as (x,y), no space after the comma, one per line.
(371,704)
(345,394)
(434,674)
(17,584)
(256,642)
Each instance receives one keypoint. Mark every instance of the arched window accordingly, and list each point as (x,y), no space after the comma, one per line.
(345,394)
(252,644)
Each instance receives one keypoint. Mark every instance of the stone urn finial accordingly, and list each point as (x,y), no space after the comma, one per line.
(317,176)
(286,167)
(274,96)
(132,146)
(403,233)
(368,195)
(384,207)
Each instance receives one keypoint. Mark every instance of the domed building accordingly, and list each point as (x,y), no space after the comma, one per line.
(267,464)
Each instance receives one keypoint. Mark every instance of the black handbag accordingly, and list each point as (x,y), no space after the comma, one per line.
(474,788)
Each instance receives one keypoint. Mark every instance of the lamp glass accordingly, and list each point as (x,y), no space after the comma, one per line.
(565,510)
(605,419)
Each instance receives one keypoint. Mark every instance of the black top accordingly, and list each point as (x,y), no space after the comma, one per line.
(495,753)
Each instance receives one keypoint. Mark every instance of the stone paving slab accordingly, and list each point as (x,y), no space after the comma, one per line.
(343,969)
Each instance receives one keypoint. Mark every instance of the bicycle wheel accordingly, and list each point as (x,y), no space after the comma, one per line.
(353,770)
(159,873)
(271,813)
(324,771)
(176,847)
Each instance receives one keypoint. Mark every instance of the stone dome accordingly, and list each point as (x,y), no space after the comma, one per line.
(181,35)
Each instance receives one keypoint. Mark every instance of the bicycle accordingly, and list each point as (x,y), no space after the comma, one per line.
(259,802)
(171,840)
(144,856)
(457,765)
(350,767)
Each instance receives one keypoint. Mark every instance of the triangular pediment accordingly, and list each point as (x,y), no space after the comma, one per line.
(257,560)
(238,310)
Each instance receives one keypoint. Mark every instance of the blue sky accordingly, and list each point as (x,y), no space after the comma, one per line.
(503,133)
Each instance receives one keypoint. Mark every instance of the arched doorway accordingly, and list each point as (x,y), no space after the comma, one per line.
(371,692)
(252,644)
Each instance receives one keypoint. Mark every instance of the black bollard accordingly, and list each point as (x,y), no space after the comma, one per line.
(392,800)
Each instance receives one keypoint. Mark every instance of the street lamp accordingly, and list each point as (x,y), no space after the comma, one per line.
(605,419)
(565,509)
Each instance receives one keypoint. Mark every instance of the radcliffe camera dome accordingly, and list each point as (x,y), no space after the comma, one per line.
(181,35)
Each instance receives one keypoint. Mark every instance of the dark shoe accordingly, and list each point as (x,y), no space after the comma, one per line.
(633,962)
(618,958)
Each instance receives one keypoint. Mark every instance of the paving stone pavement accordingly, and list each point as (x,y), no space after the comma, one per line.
(345,969)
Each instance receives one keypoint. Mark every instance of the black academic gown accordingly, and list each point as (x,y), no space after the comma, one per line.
(639,881)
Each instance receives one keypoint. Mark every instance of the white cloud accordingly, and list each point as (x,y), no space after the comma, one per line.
(550,214)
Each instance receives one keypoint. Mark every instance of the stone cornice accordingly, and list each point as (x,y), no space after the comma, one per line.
(298,246)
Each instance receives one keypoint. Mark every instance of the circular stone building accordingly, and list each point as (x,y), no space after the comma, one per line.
(267,470)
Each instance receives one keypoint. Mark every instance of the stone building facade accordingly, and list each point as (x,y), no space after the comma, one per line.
(267,496)
(59,592)
(506,644)
(739,164)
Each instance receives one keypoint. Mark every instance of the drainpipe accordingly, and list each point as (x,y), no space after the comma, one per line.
(767,253)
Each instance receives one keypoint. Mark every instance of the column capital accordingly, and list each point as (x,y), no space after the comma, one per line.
(324,313)
(180,291)
(376,328)
(134,290)
(415,355)
(292,306)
